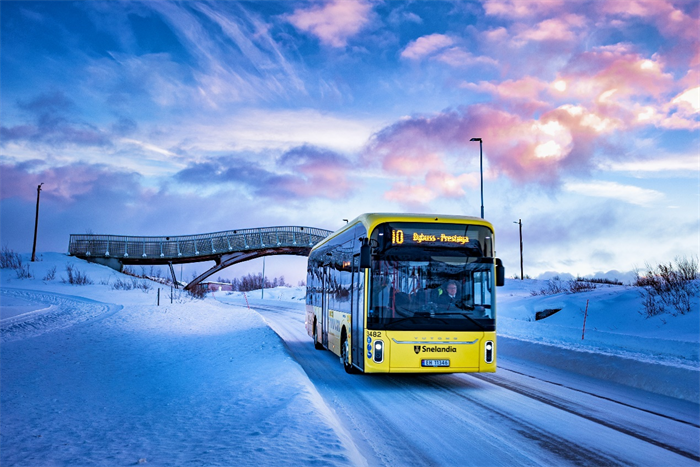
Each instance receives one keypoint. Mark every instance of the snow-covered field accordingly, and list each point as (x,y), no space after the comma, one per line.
(91,375)
(95,376)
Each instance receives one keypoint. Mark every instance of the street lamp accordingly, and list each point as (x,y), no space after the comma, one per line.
(36,220)
(520,223)
(481,170)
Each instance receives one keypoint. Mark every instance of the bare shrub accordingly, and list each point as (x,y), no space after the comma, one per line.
(75,276)
(556,286)
(198,292)
(9,259)
(579,285)
(601,280)
(50,274)
(131,284)
(123,285)
(669,286)
(553,287)
(23,272)
(153,274)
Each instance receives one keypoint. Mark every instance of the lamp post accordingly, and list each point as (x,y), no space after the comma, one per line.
(481,171)
(520,223)
(36,220)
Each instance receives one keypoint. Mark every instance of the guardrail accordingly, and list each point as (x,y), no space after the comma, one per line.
(186,248)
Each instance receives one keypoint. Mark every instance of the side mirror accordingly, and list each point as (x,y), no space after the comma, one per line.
(500,273)
(365,255)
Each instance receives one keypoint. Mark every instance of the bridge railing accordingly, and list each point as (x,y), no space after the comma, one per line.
(189,246)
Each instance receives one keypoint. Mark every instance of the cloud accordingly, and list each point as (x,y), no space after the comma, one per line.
(426,45)
(67,183)
(52,123)
(456,57)
(688,164)
(690,97)
(528,88)
(671,21)
(627,193)
(526,150)
(301,173)
(335,22)
(323,173)
(521,8)
(566,28)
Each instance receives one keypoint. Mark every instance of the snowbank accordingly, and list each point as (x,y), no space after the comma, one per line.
(97,376)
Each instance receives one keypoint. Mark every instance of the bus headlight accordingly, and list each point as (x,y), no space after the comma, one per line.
(378,351)
(488,351)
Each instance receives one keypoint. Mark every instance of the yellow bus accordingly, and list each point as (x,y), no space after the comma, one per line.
(406,293)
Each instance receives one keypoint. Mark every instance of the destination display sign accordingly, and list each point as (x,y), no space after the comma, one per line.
(398,237)
(433,235)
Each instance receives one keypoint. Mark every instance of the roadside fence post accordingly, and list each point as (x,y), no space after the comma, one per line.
(585,315)
(246,300)
(158,296)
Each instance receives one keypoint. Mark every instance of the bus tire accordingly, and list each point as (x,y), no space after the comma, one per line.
(317,344)
(345,355)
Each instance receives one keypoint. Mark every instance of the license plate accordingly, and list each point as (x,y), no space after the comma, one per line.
(432,363)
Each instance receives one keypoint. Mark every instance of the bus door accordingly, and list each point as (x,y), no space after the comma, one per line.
(357,314)
(324,305)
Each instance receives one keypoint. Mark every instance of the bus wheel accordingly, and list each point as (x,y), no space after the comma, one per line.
(317,344)
(345,356)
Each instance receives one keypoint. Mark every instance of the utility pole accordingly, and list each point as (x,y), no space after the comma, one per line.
(36,220)
(262,291)
(481,171)
(520,223)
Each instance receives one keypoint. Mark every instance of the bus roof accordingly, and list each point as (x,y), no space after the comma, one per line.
(371,220)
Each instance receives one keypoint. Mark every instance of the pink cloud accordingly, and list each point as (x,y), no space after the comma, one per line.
(528,88)
(456,57)
(65,183)
(318,173)
(426,45)
(524,149)
(671,21)
(410,194)
(566,28)
(521,8)
(450,185)
(334,22)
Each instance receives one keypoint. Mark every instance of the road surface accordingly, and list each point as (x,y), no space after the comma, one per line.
(522,415)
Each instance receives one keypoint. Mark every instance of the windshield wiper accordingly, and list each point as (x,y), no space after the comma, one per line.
(466,316)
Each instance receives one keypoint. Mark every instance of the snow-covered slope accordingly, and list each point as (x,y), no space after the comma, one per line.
(96,376)
(614,323)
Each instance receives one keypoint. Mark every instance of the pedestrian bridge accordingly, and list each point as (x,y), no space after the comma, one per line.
(224,248)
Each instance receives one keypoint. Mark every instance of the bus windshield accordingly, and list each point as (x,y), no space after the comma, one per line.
(431,286)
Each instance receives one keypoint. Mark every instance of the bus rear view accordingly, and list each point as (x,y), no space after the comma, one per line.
(398,293)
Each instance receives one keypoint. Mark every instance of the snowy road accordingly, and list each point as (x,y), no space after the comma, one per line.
(522,415)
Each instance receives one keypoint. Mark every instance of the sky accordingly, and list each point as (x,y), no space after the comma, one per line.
(176,118)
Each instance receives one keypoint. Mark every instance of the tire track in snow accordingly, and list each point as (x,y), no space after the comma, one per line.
(61,312)
(547,399)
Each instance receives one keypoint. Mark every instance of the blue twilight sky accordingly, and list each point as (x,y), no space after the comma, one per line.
(161,117)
